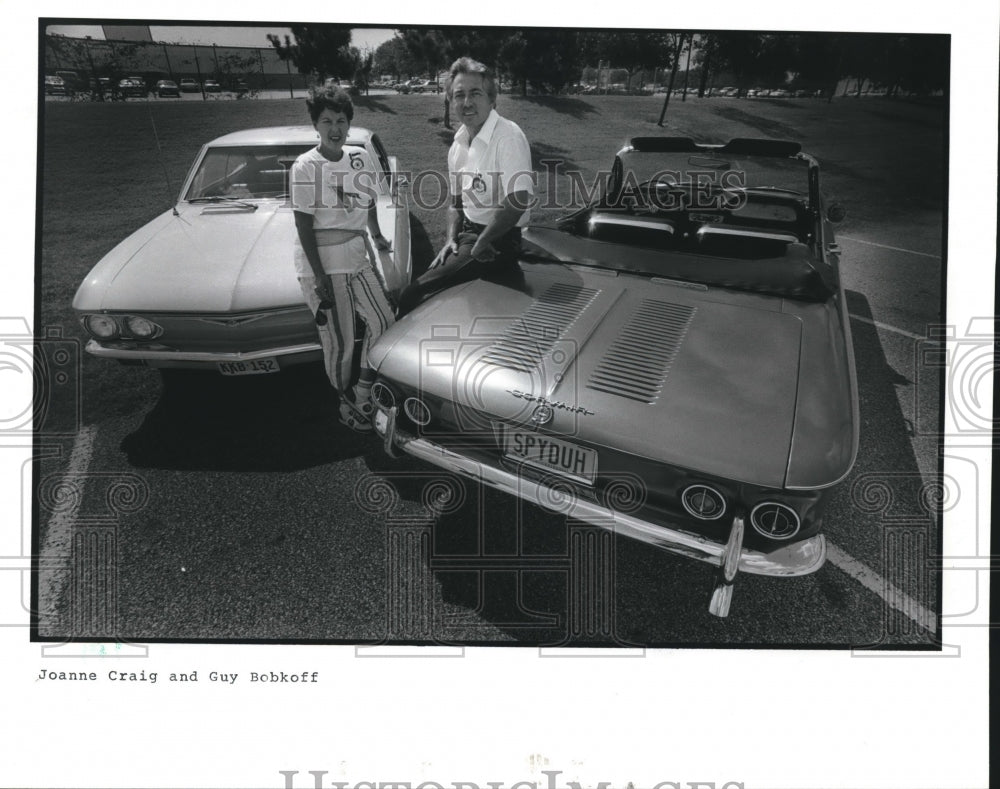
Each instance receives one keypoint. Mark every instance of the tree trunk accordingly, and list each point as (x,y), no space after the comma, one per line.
(687,72)
(705,67)
(673,74)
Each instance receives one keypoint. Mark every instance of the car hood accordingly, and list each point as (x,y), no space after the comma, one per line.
(206,258)
(698,378)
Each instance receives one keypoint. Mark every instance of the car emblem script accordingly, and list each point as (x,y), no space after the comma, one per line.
(546,409)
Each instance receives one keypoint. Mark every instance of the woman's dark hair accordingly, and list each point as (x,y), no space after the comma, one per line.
(333,99)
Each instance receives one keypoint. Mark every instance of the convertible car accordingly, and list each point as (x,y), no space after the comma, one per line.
(674,362)
(210,283)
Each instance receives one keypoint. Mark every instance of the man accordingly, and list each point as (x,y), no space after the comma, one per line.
(491,186)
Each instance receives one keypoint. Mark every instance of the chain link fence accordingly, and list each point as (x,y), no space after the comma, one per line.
(83,63)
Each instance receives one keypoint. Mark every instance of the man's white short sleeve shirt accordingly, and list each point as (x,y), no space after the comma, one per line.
(496,163)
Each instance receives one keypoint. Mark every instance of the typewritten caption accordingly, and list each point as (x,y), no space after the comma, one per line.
(118,676)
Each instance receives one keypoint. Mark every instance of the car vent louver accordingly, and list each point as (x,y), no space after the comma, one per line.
(636,364)
(531,336)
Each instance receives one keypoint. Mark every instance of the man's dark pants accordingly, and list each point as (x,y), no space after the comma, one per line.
(462,267)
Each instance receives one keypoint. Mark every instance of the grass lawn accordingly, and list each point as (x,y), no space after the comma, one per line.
(106,167)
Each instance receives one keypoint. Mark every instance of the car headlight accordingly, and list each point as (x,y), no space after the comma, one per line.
(101,326)
(141,328)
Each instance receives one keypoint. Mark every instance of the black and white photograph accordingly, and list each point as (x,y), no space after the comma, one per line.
(597,380)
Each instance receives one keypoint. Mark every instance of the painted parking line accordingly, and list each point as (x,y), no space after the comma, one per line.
(59,530)
(887,246)
(873,582)
(58,542)
(859,571)
(887,327)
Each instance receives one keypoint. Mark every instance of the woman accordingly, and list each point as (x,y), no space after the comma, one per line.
(333,188)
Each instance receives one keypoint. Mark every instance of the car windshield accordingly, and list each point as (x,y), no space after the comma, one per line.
(230,172)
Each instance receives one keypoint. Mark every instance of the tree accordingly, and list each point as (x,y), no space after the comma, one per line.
(632,50)
(363,64)
(921,63)
(111,60)
(393,58)
(706,53)
(427,47)
(820,60)
(754,58)
(678,48)
(547,59)
(321,50)
(232,66)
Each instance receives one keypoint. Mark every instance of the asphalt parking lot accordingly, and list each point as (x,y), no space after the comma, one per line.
(209,508)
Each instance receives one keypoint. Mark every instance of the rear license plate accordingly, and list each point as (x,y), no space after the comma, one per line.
(551,454)
(255,367)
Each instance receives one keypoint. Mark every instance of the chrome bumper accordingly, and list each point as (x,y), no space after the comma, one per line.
(292,354)
(800,558)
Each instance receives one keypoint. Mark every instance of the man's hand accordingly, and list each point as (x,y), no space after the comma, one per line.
(483,250)
(382,243)
(451,248)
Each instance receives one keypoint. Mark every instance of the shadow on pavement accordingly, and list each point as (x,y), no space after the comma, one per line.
(205,421)
(507,572)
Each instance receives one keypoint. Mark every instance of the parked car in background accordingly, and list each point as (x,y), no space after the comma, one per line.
(72,80)
(415,85)
(212,86)
(188,85)
(134,87)
(167,87)
(54,86)
(673,364)
(210,283)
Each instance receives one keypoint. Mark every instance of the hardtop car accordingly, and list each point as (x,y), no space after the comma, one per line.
(54,85)
(167,87)
(673,362)
(188,85)
(132,86)
(210,283)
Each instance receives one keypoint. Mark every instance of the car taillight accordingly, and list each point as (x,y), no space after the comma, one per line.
(703,502)
(774,520)
(417,410)
(383,396)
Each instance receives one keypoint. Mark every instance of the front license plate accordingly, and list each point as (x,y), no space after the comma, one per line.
(255,367)
(551,454)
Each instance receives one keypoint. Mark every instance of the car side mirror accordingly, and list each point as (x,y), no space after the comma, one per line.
(836,212)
